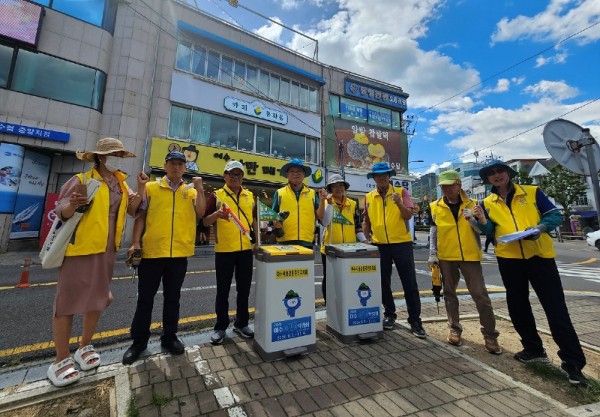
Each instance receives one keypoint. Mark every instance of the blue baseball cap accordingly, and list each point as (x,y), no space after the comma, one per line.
(175,155)
(381,168)
(295,163)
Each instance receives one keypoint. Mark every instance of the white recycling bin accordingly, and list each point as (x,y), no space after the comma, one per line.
(353,292)
(284,320)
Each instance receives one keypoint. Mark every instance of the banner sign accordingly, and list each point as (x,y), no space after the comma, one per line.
(374,95)
(34,132)
(11,162)
(255,109)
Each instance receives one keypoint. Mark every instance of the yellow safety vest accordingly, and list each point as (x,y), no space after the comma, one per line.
(341,233)
(170,221)
(387,224)
(228,238)
(91,234)
(521,214)
(300,225)
(456,240)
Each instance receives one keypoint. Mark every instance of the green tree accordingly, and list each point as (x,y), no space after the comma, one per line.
(523,178)
(564,186)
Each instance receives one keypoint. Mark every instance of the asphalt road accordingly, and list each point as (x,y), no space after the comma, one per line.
(25,314)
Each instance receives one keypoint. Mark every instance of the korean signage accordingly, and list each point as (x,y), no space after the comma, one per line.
(362,184)
(366,145)
(375,95)
(212,160)
(34,132)
(255,109)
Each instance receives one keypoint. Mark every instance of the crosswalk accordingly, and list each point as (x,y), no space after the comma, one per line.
(579,271)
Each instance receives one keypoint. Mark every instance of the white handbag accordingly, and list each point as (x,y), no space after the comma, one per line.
(55,245)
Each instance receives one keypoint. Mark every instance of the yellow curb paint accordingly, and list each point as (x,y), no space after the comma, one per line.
(587,261)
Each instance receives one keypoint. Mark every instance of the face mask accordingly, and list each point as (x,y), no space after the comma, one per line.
(113,163)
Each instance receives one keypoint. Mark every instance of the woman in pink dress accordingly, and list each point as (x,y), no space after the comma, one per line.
(85,275)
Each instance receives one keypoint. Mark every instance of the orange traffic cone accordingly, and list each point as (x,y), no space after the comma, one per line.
(24,283)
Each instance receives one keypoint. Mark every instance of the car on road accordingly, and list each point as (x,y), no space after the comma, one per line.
(593,239)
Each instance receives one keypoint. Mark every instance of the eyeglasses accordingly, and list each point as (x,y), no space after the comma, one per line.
(494,171)
(238,175)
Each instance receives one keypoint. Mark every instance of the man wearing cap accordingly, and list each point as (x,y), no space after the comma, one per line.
(338,219)
(387,211)
(455,245)
(165,231)
(301,202)
(530,261)
(233,249)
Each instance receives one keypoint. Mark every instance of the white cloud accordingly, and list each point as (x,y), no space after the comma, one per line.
(271,31)
(364,37)
(559,58)
(496,129)
(554,23)
(290,4)
(558,90)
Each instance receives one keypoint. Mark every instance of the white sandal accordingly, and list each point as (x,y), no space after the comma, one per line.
(91,361)
(63,379)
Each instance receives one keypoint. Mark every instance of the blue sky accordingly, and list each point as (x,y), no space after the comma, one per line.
(482,76)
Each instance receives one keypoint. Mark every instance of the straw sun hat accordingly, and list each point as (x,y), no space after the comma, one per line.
(106,146)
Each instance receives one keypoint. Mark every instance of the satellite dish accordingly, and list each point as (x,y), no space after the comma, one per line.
(567,143)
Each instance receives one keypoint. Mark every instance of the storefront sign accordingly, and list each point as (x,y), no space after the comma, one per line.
(255,109)
(374,95)
(362,184)
(212,160)
(29,205)
(34,132)
(366,145)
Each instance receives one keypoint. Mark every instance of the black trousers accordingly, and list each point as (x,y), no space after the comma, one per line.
(171,271)
(226,264)
(543,275)
(402,255)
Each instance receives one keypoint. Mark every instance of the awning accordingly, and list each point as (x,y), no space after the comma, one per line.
(585,214)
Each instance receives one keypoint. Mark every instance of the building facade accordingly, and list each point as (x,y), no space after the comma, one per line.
(161,75)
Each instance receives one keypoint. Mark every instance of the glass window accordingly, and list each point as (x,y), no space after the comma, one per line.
(284,90)
(295,94)
(288,145)
(90,11)
(199,61)
(263,88)
(353,110)
(263,140)
(334,105)
(179,122)
(379,116)
(223,131)
(45,76)
(312,150)
(274,90)
(239,80)
(6,55)
(313,100)
(183,56)
(252,78)
(246,137)
(226,70)
(214,60)
(200,130)
(304,97)
(396,120)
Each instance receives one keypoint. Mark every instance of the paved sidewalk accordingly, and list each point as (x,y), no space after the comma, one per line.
(396,375)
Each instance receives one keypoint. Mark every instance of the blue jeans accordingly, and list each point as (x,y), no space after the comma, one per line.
(543,275)
(402,255)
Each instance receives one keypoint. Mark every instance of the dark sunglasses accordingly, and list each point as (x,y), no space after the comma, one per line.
(493,171)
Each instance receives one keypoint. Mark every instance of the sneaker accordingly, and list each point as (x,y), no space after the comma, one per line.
(454,337)
(217,337)
(574,374)
(526,356)
(418,330)
(388,322)
(492,346)
(246,332)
